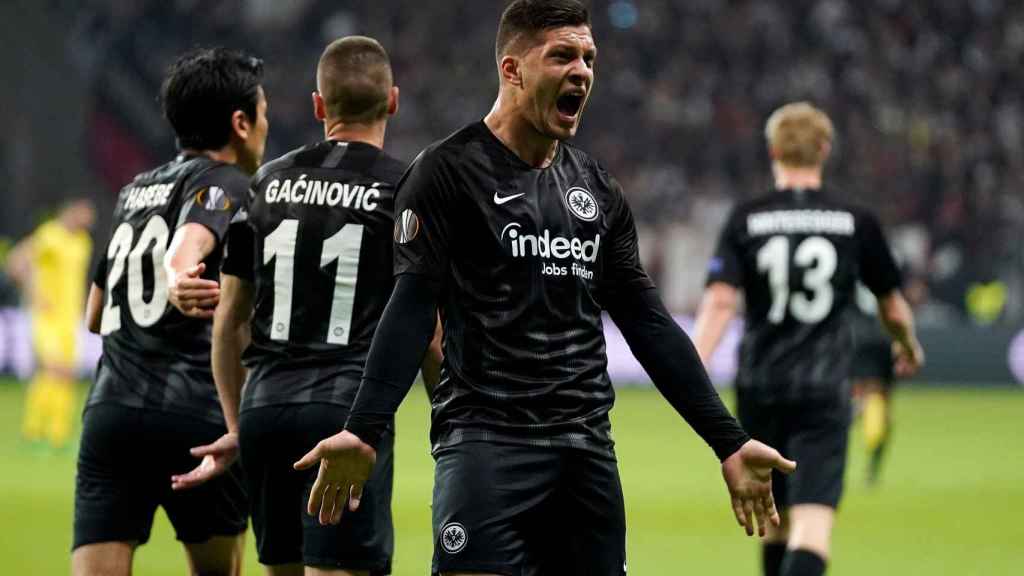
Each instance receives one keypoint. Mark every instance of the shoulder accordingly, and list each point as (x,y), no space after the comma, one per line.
(388,168)
(283,162)
(225,176)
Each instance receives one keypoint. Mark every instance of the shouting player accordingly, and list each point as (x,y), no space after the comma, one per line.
(521,240)
(51,266)
(313,271)
(154,397)
(796,254)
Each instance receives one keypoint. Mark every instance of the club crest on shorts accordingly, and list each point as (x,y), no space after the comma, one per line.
(581,203)
(407,227)
(453,537)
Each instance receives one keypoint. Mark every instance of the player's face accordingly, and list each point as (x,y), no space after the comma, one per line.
(558,74)
(251,155)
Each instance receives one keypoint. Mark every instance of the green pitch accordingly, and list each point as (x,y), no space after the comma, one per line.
(950,501)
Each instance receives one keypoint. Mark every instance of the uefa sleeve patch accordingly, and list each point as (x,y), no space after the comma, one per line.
(214,199)
(407,227)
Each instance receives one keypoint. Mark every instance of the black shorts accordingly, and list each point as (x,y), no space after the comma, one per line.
(523,510)
(125,463)
(272,438)
(872,360)
(812,433)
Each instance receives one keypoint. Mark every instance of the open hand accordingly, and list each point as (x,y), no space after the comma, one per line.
(345,465)
(192,294)
(748,475)
(216,458)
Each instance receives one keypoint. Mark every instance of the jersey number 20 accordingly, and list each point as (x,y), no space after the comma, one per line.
(817,256)
(279,246)
(143,313)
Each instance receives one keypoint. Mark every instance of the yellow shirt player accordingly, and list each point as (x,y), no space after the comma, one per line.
(51,266)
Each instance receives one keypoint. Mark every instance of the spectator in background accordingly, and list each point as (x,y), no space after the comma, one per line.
(50,267)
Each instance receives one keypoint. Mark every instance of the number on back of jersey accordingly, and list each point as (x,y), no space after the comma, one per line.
(818,259)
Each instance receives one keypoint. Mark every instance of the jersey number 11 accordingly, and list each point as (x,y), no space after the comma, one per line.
(279,247)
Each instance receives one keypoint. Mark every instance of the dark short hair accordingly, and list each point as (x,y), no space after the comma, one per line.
(203,89)
(354,78)
(526,18)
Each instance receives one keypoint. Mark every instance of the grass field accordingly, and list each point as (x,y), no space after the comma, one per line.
(951,501)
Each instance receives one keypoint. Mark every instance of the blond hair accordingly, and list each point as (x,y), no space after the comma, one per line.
(799,135)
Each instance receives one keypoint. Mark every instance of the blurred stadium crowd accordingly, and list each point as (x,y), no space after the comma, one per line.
(926,97)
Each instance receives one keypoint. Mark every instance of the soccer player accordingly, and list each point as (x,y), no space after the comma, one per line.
(51,266)
(313,270)
(521,240)
(796,254)
(872,375)
(154,397)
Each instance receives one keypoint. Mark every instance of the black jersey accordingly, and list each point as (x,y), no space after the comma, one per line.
(798,255)
(319,251)
(525,258)
(154,357)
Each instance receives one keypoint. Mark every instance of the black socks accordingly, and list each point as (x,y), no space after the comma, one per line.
(772,554)
(803,563)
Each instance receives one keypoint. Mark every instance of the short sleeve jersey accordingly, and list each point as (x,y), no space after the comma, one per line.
(797,255)
(318,249)
(526,259)
(153,356)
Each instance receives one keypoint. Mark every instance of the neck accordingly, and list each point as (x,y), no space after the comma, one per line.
(519,135)
(372,134)
(226,154)
(788,177)
(68,223)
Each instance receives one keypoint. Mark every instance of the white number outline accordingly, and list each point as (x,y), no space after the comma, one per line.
(120,252)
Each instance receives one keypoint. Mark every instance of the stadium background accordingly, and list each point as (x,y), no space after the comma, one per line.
(928,101)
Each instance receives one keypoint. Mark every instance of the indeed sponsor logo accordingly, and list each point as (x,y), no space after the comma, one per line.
(546,246)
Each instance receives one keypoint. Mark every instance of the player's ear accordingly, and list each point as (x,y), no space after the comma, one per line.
(511,71)
(240,124)
(319,109)
(826,150)
(393,101)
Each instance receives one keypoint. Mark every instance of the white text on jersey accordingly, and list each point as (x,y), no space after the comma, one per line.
(801,222)
(139,197)
(323,193)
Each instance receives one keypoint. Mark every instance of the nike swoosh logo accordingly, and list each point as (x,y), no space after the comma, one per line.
(501,200)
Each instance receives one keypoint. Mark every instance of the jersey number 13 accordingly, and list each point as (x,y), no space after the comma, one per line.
(817,257)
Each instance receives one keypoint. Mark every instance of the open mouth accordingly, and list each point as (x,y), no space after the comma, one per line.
(570,103)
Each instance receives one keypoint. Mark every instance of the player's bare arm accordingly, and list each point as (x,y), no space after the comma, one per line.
(94,309)
(346,459)
(897,318)
(717,308)
(19,263)
(187,291)
(230,338)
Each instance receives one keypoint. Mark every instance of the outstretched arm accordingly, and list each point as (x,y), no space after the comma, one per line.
(346,459)
(230,338)
(717,309)
(671,360)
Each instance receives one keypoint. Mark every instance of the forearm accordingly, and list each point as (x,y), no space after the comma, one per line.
(672,362)
(191,244)
(94,309)
(716,311)
(897,319)
(403,334)
(228,373)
